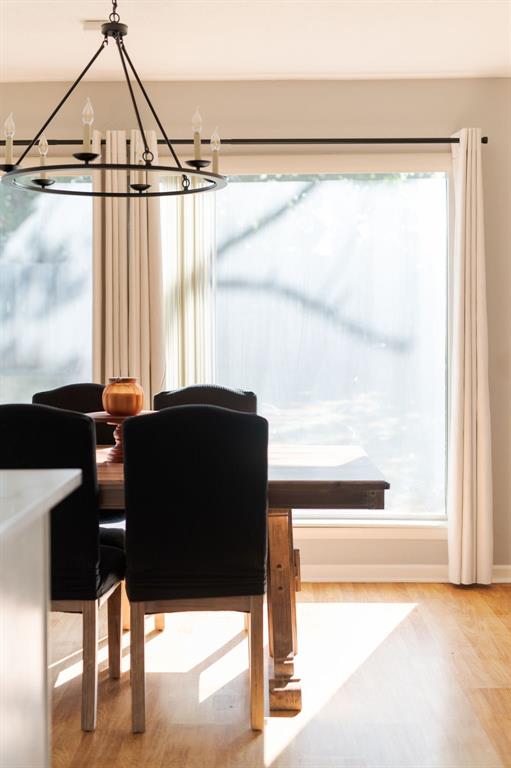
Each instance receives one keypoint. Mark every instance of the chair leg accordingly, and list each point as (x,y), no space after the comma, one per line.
(90,664)
(114,634)
(137,668)
(125,608)
(256,663)
(159,621)
(246,622)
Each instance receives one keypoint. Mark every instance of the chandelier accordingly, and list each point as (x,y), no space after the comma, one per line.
(143,177)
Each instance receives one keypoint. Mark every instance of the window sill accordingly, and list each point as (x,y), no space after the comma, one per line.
(370,529)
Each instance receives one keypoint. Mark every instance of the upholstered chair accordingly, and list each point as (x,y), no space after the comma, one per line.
(86,568)
(207,394)
(84,398)
(196,532)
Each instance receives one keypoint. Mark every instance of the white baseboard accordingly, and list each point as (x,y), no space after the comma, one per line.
(390,573)
(370,529)
(502,574)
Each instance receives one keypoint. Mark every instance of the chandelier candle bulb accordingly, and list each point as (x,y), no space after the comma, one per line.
(9,131)
(43,151)
(215,149)
(87,120)
(196,128)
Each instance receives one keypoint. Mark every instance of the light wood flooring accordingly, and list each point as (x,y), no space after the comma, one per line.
(393,676)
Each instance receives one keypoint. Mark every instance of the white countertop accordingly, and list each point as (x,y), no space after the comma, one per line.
(26,493)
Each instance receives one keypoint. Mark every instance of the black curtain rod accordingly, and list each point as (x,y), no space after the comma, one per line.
(280,142)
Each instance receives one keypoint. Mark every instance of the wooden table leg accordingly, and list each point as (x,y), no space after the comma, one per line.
(116,453)
(285,690)
(159,622)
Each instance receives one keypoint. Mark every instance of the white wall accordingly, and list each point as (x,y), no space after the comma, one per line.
(344,108)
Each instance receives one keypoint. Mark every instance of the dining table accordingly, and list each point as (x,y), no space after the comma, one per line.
(299,477)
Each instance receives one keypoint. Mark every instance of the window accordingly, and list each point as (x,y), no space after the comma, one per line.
(331,305)
(45,291)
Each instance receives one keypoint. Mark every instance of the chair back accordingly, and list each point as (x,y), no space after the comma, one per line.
(196,503)
(41,437)
(83,398)
(207,394)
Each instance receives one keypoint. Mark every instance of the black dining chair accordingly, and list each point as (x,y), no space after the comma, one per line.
(207,394)
(196,526)
(83,398)
(86,566)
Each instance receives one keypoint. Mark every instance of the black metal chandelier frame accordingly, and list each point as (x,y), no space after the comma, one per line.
(16,176)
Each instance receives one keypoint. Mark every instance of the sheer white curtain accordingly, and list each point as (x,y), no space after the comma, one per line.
(128,333)
(469,500)
(188,242)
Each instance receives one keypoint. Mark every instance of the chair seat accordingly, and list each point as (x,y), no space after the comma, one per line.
(112,563)
(112,537)
(157,585)
(107,516)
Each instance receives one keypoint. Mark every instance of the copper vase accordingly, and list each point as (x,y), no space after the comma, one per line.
(123,397)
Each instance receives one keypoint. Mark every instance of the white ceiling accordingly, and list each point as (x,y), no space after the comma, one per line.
(260,39)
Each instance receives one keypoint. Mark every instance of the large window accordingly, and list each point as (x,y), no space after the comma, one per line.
(45,291)
(331,306)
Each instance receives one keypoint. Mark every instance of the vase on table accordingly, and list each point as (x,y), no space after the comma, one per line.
(123,396)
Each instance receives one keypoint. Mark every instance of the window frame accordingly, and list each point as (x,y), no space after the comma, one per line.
(354,162)
(336,163)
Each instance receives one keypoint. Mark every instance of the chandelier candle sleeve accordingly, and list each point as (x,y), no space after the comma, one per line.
(9,131)
(215,149)
(140,175)
(196,128)
(43,151)
(87,120)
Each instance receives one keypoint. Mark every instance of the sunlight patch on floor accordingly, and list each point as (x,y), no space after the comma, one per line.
(192,641)
(64,659)
(329,657)
(73,670)
(223,670)
(213,645)
(336,639)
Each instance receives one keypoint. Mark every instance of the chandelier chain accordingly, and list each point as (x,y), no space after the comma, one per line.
(114,16)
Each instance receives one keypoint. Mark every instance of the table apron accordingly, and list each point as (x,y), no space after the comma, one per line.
(112,497)
(326,497)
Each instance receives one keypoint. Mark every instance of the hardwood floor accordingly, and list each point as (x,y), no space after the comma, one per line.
(394,676)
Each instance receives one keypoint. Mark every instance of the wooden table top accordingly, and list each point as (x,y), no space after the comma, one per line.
(299,477)
(107,418)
